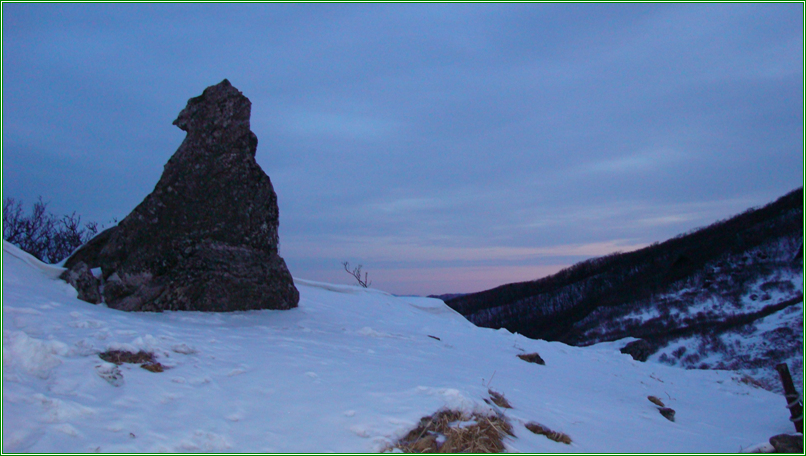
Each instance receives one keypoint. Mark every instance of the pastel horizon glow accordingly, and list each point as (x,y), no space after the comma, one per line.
(447,148)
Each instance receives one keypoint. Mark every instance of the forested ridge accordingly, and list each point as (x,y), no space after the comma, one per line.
(724,258)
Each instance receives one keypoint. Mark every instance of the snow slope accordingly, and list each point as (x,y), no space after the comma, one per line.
(349,370)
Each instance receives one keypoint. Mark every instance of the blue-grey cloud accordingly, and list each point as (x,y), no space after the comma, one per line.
(420,139)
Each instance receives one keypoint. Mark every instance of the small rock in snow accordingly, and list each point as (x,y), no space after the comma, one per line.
(667,413)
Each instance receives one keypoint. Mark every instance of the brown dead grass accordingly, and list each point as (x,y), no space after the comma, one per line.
(747,380)
(532,358)
(551,435)
(498,399)
(153,367)
(145,359)
(485,435)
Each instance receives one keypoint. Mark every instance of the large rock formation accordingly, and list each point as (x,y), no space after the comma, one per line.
(206,238)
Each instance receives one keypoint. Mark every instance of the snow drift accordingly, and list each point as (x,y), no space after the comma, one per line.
(349,370)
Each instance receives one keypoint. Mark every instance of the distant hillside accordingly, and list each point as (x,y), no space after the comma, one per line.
(701,290)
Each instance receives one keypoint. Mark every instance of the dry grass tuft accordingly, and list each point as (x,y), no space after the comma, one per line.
(146,359)
(656,401)
(498,399)
(747,380)
(551,435)
(153,367)
(532,358)
(449,431)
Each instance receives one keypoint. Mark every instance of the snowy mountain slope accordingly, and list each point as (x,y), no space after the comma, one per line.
(349,370)
(744,313)
(752,349)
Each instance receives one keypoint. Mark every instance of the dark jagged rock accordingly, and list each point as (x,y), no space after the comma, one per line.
(207,237)
(81,278)
(640,350)
(532,358)
(667,413)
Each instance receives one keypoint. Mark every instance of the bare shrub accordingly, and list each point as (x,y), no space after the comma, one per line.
(42,234)
(356,272)
(666,359)
(691,359)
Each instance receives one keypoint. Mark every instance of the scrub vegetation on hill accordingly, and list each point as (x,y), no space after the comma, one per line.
(46,236)
(719,280)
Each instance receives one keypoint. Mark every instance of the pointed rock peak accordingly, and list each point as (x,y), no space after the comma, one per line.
(220,106)
(206,238)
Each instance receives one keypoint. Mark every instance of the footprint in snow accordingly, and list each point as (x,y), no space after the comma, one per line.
(235,417)
(360,431)
(184,349)
(235,372)
(86,324)
(199,381)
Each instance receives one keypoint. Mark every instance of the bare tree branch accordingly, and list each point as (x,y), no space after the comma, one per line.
(356,273)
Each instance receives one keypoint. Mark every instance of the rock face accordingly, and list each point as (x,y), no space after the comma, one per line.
(207,237)
(785,443)
(90,252)
(81,278)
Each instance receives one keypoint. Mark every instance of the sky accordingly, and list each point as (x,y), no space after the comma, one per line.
(447,148)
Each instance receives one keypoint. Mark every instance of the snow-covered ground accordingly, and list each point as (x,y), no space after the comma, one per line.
(693,300)
(752,350)
(729,287)
(349,370)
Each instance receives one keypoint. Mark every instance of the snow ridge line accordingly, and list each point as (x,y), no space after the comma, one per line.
(50,270)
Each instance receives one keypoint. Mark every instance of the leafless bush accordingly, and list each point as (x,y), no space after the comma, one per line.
(42,234)
(356,272)
(679,352)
